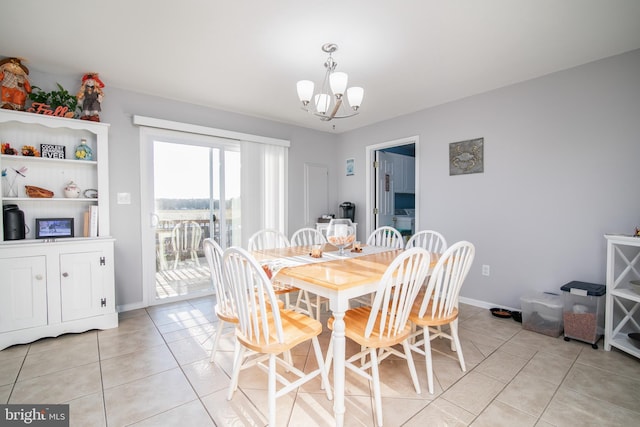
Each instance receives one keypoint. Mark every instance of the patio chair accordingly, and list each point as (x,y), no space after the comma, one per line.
(185,238)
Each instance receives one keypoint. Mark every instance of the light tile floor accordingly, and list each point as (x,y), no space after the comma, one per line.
(154,370)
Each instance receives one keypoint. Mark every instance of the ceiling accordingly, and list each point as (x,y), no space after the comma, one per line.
(246,56)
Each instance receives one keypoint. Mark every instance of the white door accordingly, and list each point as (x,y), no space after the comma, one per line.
(384,189)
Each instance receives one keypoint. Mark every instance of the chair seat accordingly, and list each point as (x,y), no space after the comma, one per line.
(296,328)
(427,319)
(355,322)
(225,314)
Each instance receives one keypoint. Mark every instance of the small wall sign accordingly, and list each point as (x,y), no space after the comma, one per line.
(51,151)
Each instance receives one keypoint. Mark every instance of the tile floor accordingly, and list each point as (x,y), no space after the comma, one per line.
(154,370)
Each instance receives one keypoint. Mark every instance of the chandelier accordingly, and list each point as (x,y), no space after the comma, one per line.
(324,105)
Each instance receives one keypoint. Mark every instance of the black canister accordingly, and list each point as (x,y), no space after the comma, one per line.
(13,219)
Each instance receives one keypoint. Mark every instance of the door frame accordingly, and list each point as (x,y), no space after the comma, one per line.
(370,176)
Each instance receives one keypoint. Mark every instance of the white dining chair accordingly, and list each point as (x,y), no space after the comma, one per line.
(386,236)
(307,236)
(385,324)
(265,331)
(438,304)
(272,239)
(225,309)
(268,239)
(314,303)
(430,240)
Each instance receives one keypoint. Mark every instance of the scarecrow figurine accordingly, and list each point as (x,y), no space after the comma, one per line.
(90,97)
(15,85)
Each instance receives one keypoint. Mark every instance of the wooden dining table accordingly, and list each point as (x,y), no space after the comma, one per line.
(339,279)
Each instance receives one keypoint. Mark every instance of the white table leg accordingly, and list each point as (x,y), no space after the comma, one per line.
(338,308)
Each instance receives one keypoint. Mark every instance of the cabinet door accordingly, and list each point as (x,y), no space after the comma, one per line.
(23,293)
(82,285)
(409,173)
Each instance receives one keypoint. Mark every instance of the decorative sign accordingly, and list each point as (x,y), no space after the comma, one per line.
(42,108)
(466,157)
(51,151)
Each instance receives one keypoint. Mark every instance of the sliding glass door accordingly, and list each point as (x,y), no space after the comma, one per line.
(193,194)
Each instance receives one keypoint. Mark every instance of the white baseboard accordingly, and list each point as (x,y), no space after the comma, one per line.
(130,307)
(484,304)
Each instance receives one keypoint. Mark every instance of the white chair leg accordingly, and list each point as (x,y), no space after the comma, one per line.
(216,341)
(238,355)
(329,357)
(427,357)
(272,390)
(375,377)
(318,308)
(323,372)
(412,366)
(456,342)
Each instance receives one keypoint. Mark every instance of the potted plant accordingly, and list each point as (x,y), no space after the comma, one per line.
(56,100)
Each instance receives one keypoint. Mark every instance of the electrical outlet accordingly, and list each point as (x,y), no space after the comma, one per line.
(486,270)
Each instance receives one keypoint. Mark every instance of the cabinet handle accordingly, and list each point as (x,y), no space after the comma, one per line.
(38,276)
(65,274)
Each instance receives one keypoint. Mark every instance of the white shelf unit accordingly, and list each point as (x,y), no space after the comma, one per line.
(55,286)
(19,129)
(622,312)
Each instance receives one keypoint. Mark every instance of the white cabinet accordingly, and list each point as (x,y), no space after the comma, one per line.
(23,287)
(52,288)
(19,129)
(55,285)
(622,312)
(403,174)
(409,173)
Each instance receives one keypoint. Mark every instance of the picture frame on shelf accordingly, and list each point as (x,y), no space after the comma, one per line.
(52,151)
(53,228)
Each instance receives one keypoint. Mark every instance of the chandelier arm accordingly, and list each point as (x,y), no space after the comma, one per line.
(336,108)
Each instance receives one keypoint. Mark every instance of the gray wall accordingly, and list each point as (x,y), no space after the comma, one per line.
(561,170)
(124,164)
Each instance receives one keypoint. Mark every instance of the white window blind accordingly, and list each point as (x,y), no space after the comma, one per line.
(263,187)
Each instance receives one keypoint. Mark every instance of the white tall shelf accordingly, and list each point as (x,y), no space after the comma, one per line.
(54,286)
(622,314)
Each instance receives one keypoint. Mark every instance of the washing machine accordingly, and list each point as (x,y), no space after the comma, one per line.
(404,222)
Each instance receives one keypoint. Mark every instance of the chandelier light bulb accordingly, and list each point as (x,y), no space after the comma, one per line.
(322,102)
(355,95)
(338,82)
(305,91)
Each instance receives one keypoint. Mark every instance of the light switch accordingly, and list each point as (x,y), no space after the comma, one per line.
(124,198)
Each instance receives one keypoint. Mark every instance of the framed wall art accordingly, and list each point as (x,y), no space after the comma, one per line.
(351,167)
(466,157)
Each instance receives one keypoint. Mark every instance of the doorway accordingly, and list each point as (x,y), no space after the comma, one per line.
(392,181)
(193,194)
